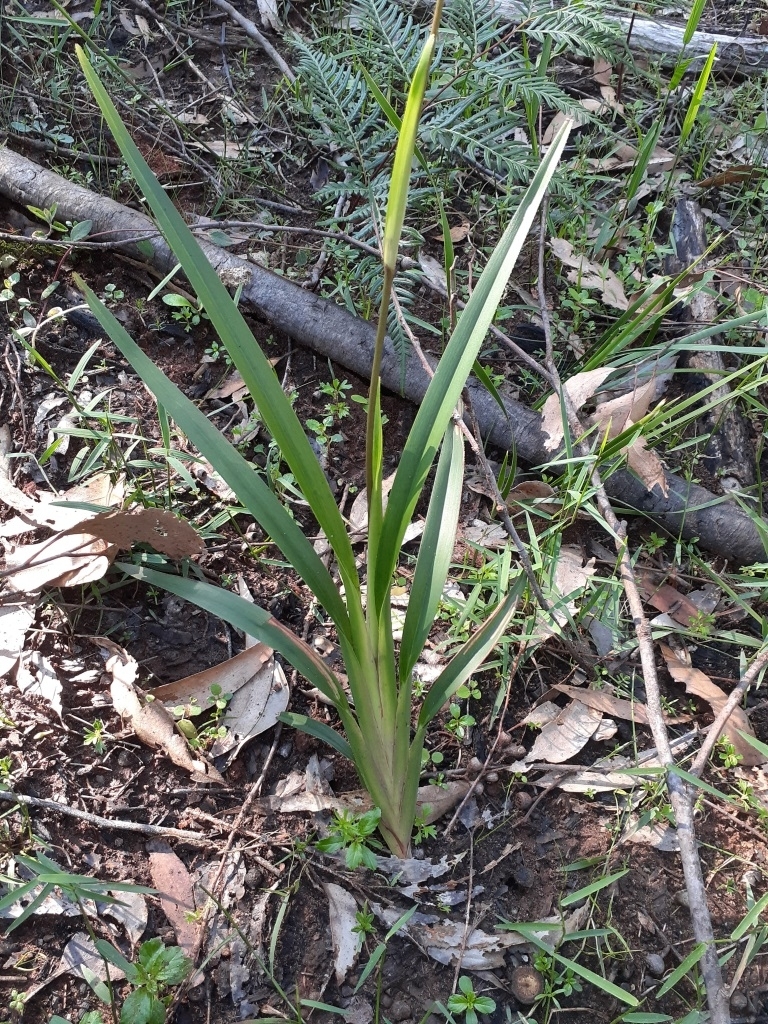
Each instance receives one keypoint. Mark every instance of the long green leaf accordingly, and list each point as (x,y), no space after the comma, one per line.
(435,550)
(682,969)
(238,473)
(453,369)
(248,617)
(318,729)
(471,655)
(406,143)
(697,97)
(529,931)
(255,368)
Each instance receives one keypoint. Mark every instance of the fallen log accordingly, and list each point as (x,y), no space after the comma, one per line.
(747,54)
(684,510)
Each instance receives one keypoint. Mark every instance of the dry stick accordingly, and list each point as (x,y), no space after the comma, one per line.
(209,904)
(761,659)
(679,793)
(108,823)
(250,30)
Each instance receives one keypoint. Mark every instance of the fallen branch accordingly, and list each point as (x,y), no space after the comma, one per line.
(680,793)
(685,510)
(115,824)
(659,37)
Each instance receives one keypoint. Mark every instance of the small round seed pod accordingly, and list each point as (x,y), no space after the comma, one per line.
(526,984)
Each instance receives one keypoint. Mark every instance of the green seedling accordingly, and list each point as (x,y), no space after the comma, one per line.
(375,708)
(467,1002)
(94,736)
(458,721)
(185,312)
(421,830)
(158,969)
(353,833)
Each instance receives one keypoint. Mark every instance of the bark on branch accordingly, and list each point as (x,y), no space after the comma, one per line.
(686,510)
(744,53)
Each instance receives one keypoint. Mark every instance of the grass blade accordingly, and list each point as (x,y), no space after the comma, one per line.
(452,372)
(435,550)
(246,354)
(238,473)
(248,617)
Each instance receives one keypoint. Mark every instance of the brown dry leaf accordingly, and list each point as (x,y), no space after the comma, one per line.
(342,913)
(15,619)
(557,123)
(646,465)
(589,274)
(562,738)
(163,530)
(229,675)
(617,414)
(432,802)
(255,707)
(460,231)
(601,71)
(152,723)
(570,579)
(233,385)
(434,273)
(66,560)
(226,149)
(699,684)
(630,710)
(531,495)
(624,158)
(171,878)
(448,942)
(664,598)
(732,176)
(580,388)
(36,677)
(98,490)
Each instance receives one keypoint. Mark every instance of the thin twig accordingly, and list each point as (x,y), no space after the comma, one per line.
(680,794)
(734,699)
(250,30)
(195,838)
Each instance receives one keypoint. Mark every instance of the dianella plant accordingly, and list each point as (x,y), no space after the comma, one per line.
(383,733)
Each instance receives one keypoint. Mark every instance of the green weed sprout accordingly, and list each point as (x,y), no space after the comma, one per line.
(352,833)
(376,711)
(468,1002)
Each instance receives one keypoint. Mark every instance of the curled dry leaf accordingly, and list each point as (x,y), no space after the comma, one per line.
(446,942)
(66,560)
(699,684)
(36,677)
(152,723)
(15,620)
(163,530)
(580,389)
(665,598)
(342,912)
(566,734)
(432,802)
(174,884)
(132,913)
(631,710)
(589,274)
(570,580)
(99,490)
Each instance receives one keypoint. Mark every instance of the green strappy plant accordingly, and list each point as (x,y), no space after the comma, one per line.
(376,712)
